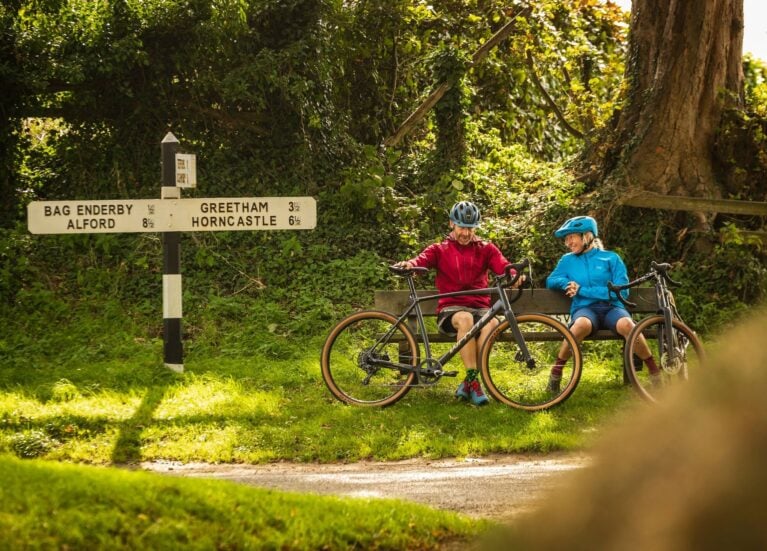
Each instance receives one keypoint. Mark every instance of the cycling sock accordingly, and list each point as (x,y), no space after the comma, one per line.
(556,371)
(651,365)
(471,375)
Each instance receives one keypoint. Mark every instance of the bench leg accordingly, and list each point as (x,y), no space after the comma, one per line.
(405,354)
(626,381)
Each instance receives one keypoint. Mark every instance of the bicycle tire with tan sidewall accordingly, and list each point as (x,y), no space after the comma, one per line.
(511,381)
(346,371)
(640,379)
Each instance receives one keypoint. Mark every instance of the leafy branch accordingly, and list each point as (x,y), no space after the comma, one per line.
(552,104)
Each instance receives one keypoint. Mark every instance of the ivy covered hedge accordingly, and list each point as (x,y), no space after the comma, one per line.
(295,97)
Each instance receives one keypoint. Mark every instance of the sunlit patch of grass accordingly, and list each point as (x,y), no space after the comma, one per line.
(259,407)
(211,442)
(415,442)
(209,395)
(109,405)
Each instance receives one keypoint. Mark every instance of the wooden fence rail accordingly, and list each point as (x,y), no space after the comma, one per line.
(699,204)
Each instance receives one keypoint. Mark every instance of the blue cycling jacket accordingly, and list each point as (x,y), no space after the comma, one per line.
(591,270)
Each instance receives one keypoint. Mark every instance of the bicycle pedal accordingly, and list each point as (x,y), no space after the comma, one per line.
(449,373)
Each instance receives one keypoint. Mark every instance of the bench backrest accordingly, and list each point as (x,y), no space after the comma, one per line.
(544,301)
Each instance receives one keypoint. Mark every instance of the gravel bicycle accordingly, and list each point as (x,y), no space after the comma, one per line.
(673,344)
(373,358)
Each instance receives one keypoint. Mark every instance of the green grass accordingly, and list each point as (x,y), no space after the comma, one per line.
(46,505)
(97,393)
(87,385)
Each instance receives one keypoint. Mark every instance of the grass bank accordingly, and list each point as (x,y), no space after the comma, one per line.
(47,505)
(86,384)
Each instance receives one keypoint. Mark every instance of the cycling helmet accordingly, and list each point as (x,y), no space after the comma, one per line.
(465,214)
(579,224)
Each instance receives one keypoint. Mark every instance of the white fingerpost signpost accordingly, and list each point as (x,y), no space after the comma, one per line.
(171,215)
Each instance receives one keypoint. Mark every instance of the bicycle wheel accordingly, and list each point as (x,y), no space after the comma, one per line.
(676,360)
(357,356)
(509,379)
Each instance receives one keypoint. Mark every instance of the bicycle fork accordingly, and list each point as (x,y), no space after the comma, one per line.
(523,355)
(672,346)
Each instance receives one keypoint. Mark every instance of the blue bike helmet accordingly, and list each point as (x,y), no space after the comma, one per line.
(465,214)
(579,224)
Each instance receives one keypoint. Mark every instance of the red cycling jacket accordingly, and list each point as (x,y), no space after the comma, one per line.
(460,268)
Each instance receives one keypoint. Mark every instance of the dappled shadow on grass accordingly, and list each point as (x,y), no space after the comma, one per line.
(254,411)
(127,447)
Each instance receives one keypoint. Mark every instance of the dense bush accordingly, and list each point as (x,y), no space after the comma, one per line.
(294,98)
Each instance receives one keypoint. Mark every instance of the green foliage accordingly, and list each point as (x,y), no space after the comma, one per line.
(755,84)
(31,444)
(279,98)
(274,96)
(368,187)
(719,281)
(741,154)
(449,66)
(723,284)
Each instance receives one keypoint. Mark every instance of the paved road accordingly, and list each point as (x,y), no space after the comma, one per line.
(497,487)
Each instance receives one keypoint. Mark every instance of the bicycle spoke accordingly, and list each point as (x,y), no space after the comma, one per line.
(677,360)
(359,359)
(514,380)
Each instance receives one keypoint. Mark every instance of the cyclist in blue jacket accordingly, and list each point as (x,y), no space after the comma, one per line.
(583,274)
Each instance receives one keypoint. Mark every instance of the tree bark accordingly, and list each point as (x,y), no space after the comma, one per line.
(683,69)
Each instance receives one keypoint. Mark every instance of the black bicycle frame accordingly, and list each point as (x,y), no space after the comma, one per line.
(501,305)
(664,305)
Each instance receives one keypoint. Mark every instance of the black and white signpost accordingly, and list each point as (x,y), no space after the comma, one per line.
(171,264)
(171,215)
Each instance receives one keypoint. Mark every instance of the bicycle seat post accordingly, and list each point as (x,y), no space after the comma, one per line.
(411,284)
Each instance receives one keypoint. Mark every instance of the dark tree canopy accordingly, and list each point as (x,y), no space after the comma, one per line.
(281,97)
(297,95)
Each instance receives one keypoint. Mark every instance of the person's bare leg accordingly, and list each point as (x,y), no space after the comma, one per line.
(580,329)
(484,334)
(624,327)
(462,322)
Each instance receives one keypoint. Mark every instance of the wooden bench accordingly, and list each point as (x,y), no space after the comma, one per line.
(541,301)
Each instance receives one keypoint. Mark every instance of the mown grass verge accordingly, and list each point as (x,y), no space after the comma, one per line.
(47,505)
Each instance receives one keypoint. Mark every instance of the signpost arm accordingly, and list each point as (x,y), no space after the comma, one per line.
(171,279)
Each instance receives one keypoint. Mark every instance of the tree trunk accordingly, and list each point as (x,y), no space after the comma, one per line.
(683,69)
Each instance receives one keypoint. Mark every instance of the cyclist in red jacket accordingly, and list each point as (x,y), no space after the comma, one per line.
(462,261)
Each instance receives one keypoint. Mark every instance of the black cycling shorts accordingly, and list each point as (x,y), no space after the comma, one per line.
(444,319)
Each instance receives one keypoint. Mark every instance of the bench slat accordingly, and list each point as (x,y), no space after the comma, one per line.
(544,301)
(601,335)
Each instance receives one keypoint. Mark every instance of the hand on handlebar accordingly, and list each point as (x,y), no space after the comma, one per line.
(514,276)
(520,282)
